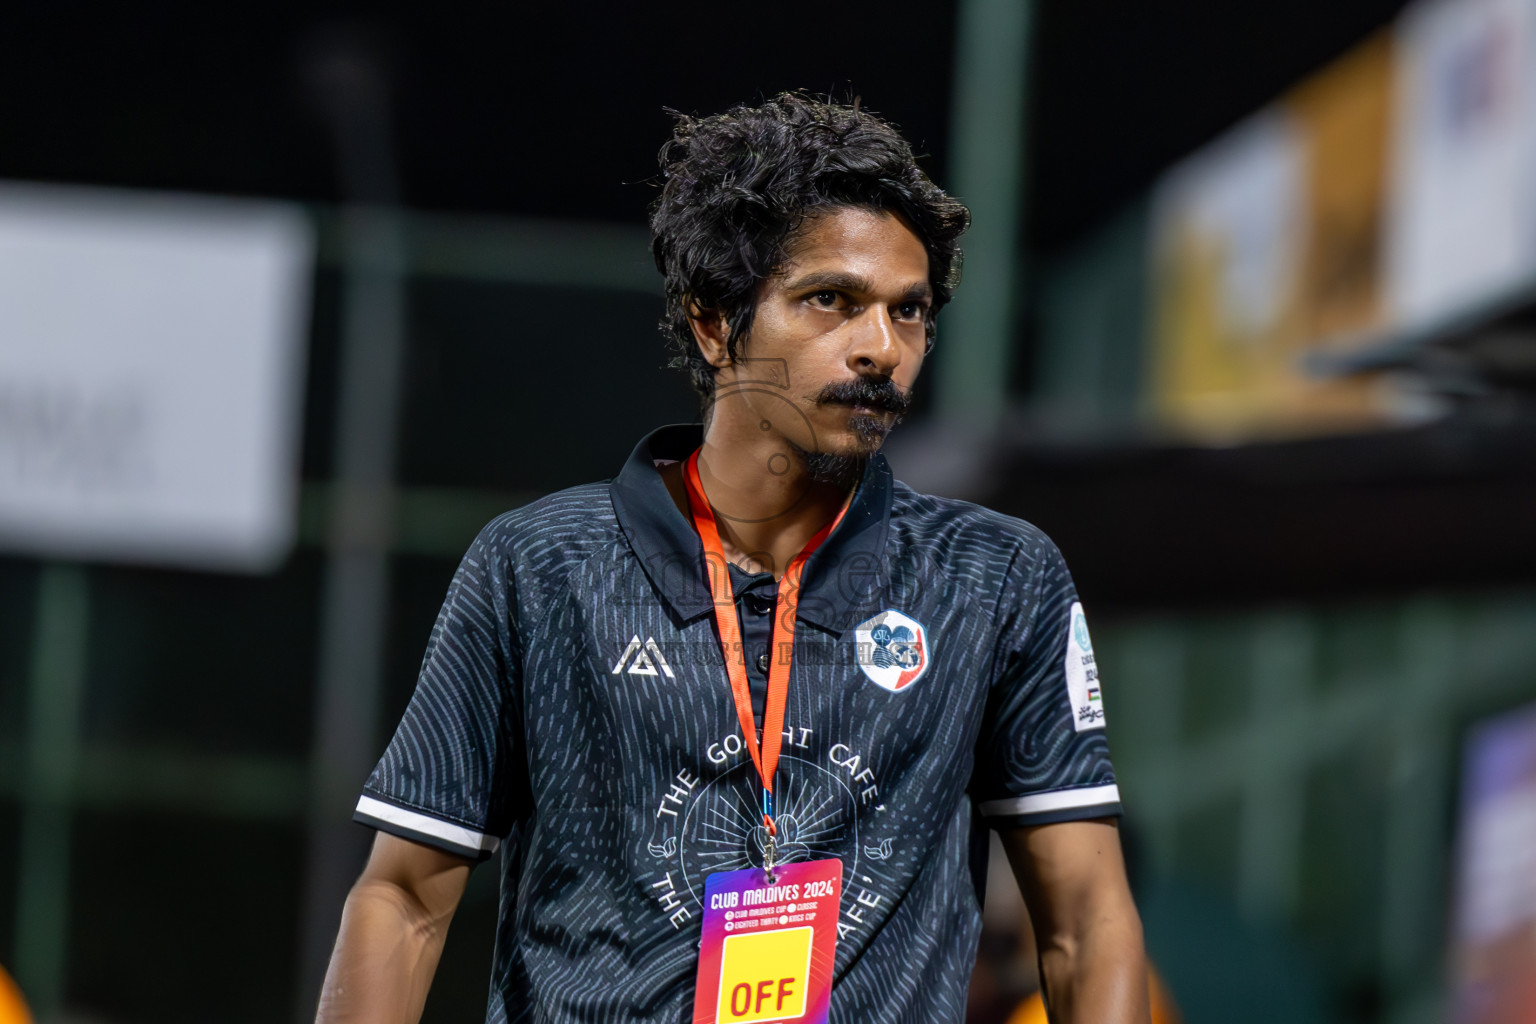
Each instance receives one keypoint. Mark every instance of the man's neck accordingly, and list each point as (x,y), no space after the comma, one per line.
(766,506)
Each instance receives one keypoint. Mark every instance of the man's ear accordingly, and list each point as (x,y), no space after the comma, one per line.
(712,334)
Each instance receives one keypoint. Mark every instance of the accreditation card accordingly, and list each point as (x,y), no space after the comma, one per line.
(768,947)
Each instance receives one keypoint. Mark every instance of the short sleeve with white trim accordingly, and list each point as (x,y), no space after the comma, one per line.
(1042,755)
(450,777)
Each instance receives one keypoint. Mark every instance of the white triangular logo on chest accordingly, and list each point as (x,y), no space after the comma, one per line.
(643,659)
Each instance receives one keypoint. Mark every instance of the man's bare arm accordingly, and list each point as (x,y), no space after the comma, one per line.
(1092,962)
(392,933)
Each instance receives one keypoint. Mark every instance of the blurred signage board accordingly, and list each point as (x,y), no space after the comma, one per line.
(151,365)
(1343,114)
(1263,242)
(1493,930)
(1463,221)
(1394,190)
(1225,227)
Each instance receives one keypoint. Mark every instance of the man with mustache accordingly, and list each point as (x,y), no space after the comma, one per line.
(633,685)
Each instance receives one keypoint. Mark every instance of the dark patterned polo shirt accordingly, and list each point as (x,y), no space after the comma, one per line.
(574,714)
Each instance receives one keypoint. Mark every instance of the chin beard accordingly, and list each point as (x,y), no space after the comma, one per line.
(869,429)
(845,470)
(842,471)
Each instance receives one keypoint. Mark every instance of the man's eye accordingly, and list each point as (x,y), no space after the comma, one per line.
(910,310)
(825,298)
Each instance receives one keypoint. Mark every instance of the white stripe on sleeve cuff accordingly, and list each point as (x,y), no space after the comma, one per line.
(1060,800)
(458,835)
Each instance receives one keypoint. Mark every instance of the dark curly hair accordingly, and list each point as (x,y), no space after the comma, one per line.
(739,186)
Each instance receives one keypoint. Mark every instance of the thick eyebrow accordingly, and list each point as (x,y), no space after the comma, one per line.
(832,279)
(920,291)
(854,283)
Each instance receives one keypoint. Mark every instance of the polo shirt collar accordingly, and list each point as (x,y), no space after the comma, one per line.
(839,578)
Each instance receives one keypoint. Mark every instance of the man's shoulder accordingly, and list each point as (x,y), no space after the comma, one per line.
(958,525)
(979,550)
(551,532)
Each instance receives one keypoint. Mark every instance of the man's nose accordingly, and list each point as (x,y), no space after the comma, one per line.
(874,348)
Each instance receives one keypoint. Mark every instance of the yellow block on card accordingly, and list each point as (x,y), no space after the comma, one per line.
(763,976)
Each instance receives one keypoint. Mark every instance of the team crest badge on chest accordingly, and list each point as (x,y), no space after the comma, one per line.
(893,649)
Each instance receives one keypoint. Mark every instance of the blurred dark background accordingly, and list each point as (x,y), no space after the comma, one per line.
(1299,616)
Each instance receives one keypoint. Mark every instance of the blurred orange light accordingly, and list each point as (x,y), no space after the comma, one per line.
(13,1009)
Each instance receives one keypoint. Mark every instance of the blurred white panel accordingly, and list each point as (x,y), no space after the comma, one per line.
(1462,198)
(1239,203)
(151,362)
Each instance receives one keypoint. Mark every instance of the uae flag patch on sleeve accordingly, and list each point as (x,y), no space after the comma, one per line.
(1082,674)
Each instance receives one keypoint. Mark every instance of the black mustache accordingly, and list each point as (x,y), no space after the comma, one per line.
(875,392)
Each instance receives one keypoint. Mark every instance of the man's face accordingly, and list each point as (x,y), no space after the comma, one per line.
(838,335)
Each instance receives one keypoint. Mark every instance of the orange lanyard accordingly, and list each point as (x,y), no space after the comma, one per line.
(766,757)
